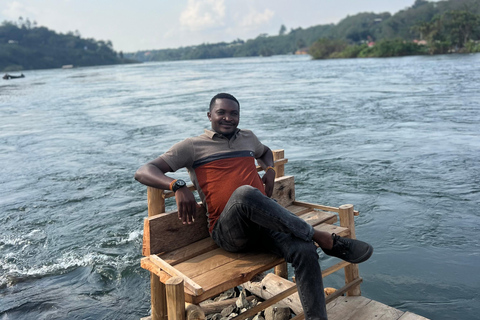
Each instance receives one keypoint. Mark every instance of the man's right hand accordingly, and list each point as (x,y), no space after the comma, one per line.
(186,205)
(152,174)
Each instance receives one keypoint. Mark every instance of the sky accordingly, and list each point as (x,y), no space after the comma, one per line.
(160,24)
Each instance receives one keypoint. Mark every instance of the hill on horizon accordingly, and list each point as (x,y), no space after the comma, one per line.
(359,28)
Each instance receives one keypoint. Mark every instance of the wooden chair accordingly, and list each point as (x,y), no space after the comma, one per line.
(187,266)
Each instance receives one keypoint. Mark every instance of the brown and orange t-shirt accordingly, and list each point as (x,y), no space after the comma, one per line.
(218,166)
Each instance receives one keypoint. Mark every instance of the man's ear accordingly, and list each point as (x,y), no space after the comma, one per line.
(209,115)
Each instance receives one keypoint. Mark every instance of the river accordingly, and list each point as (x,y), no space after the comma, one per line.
(397,137)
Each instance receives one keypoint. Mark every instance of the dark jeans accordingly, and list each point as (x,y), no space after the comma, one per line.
(252,221)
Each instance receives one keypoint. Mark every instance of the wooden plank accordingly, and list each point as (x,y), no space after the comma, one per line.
(361,308)
(209,261)
(281,270)
(189,283)
(345,308)
(411,316)
(236,272)
(188,252)
(146,244)
(165,232)
(334,268)
(284,190)
(316,217)
(175,298)
(156,201)
(315,206)
(377,310)
(319,206)
(148,265)
(349,286)
(278,167)
(158,298)
(298,210)
(347,220)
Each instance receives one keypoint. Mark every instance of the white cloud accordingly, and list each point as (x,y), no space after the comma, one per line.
(16,9)
(254,18)
(203,14)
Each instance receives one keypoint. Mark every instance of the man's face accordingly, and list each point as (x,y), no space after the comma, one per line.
(224,117)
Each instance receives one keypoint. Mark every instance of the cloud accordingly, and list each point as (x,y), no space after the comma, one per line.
(203,14)
(16,9)
(254,18)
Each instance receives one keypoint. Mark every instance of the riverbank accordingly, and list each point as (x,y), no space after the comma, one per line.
(338,49)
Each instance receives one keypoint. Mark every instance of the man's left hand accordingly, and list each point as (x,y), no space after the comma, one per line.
(269,180)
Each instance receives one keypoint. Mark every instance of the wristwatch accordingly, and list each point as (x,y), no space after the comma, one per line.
(179,183)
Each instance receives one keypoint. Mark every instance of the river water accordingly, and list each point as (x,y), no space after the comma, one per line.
(398,137)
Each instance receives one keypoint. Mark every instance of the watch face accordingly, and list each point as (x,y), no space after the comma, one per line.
(180,183)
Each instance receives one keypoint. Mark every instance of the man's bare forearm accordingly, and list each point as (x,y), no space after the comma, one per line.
(152,176)
(266,159)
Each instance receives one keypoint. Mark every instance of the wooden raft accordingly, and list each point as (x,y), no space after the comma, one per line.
(176,251)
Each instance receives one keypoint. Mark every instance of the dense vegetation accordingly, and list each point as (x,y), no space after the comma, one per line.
(392,33)
(451,31)
(25,46)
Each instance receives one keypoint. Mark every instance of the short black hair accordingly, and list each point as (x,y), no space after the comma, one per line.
(223,96)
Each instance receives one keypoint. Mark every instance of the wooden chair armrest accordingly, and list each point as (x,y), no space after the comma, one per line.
(189,283)
(321,207)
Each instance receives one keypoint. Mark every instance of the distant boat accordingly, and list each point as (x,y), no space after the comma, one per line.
(9,76)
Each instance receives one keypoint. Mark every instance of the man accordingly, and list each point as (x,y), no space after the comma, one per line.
(241,215)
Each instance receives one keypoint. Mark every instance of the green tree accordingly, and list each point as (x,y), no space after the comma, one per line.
(24,46)
(392,48)
(460,26)
(452,28)
(431,30)
(419,3)
(326,48)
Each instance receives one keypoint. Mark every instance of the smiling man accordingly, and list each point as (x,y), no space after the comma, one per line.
(241,215)
(224,115)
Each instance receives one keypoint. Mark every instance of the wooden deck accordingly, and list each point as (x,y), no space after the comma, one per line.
(361,308)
